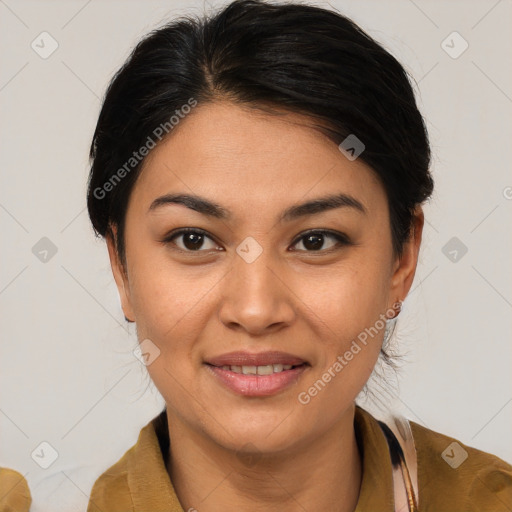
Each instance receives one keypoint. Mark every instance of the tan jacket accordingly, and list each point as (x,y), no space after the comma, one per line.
(139,482)
(14,492)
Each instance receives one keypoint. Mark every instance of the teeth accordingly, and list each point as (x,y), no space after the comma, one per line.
(268,369)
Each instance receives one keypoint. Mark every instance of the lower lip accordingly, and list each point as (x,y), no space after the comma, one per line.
(257,385)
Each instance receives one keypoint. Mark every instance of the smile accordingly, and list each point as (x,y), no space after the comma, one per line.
(259,370)
(257,381)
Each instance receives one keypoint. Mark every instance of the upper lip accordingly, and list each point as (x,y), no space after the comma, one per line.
(254,359)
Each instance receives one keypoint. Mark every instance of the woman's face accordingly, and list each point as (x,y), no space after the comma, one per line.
(255,281)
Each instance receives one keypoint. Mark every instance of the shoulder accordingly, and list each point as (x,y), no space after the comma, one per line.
(14,491)
(453,476)
(111,491)
(139,479)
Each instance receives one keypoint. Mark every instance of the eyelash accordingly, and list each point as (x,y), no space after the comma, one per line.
(342,239)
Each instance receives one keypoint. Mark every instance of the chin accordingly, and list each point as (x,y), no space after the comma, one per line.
(266,433)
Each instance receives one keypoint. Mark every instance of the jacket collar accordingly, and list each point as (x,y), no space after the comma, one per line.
(376,491)
(152,489)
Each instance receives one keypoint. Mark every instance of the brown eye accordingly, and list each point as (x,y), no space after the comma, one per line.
(315,241)
(191,240)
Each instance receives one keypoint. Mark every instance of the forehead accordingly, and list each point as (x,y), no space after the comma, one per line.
(237,152)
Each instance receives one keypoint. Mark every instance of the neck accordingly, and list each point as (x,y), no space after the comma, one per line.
(324,474)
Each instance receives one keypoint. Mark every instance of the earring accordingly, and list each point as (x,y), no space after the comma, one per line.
(394,310)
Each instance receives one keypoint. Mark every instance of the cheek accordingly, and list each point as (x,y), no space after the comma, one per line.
(159,291)
(348,311)
(170,310)
(348,298)
(348,314)
(164,300)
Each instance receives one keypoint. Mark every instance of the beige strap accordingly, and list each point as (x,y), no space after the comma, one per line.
(405,465)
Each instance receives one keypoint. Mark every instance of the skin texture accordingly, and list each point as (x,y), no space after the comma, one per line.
(230,452)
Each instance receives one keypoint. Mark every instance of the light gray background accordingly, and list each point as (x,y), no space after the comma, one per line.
(68,375)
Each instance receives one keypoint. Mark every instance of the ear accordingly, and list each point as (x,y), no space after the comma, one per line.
(405,267)
(120,276)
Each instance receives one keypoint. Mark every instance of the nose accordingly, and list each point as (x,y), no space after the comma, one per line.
(255,297)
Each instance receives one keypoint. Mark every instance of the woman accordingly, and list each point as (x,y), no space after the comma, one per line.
(259,178)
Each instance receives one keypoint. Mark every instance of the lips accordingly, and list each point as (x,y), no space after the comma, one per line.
(257,374)
(256,385)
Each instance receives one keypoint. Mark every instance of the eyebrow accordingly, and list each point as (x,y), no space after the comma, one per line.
(211,209)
